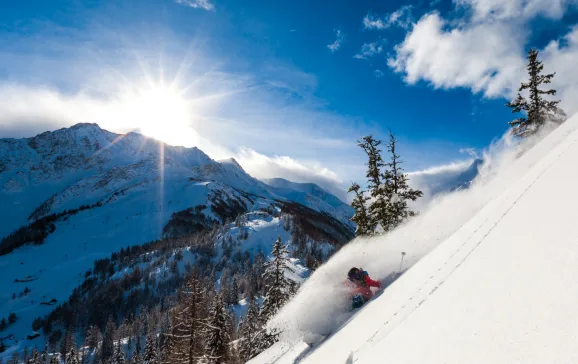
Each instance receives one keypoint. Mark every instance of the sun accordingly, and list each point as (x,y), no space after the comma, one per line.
(160,112)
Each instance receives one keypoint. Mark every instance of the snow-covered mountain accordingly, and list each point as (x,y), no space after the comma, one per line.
(83,164)
(492,276)
(311,195)
(76,195)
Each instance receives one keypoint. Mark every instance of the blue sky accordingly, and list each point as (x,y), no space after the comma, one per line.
(286,87)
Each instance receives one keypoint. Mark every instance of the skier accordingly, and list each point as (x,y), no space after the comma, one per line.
(360,284)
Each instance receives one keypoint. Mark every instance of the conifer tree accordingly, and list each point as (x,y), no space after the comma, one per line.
(278,288)
(217,332)
(278,293)
(538,110)
(108,341)
(44,354)
(374,164)
(186,340)
(248,330)
(378,208)
(360,217)
(71,357)
(119,357)
(136,359)
(35,359)
(234,294)
(150,351)
(396,189)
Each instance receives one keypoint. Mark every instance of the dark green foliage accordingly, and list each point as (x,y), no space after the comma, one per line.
(378,208)
(396,189)
(361,217)
(389,190)
(187,222)
(538,110)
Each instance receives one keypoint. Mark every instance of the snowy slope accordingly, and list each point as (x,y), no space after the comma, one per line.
(501,288)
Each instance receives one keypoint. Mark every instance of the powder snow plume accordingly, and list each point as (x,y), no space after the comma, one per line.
(320,306)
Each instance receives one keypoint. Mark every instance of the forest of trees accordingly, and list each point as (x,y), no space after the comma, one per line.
(195,326)
(141,295)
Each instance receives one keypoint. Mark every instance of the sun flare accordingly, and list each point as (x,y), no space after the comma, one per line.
(160,112)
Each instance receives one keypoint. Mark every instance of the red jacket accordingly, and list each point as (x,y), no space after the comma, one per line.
(363,289)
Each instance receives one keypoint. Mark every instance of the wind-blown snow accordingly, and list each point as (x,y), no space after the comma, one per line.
(499,288)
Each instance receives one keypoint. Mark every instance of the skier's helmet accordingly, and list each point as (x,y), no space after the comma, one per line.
(354,274)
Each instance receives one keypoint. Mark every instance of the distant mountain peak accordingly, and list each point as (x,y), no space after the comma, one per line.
(231,161)
(85,125)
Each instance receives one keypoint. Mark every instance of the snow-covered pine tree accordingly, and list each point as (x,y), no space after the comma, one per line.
(119,357)
(136,359)
(186,336)
(538,111)
(360,217)
(249,328)
(396,188)
(277,285)
(278,292)
(217,332)
(71,357)
(67,342)
(92,337)
(35,358)
(137,343)
(150,351)
(44,354)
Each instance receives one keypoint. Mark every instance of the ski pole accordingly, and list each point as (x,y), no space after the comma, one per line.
(400,263)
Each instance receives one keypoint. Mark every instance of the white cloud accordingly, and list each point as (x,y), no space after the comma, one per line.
(476,56)
(485,50)
(335,46)
(197,4)
(482,10)
(561,57)
(369,50)
(378,73)
(401,18)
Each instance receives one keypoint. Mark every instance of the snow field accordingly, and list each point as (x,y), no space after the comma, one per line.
(477,297)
